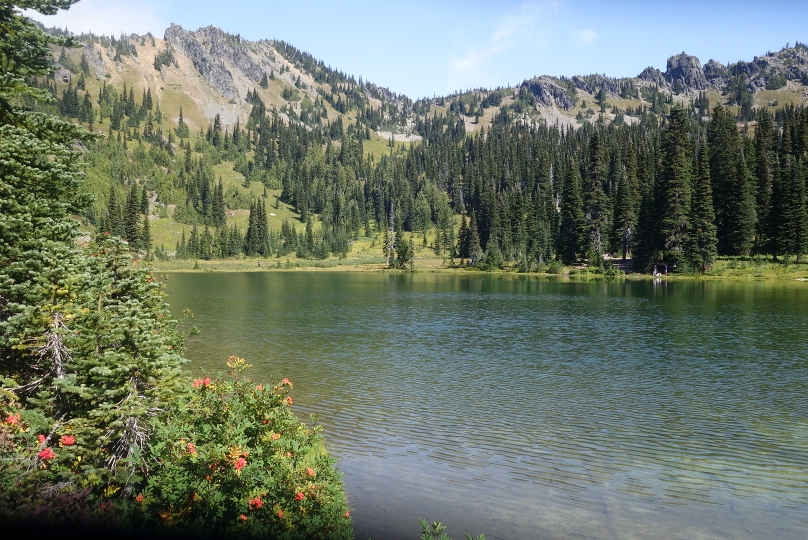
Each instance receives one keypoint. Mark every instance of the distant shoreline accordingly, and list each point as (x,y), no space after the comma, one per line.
(725,269)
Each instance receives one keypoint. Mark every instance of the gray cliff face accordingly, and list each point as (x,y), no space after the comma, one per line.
(216,74)
(548,93)
(232,49)
(716,74)
(685,72)
(653,76)
(95,61)
(594,83)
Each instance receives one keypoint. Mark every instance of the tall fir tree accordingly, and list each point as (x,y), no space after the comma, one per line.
(701,248)
(732,194)
(675,186)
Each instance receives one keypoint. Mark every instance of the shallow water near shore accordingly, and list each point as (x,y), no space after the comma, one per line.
(524,407)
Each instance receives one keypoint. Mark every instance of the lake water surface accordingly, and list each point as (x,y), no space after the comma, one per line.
(526,408)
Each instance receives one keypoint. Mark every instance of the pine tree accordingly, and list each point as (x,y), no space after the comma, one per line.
(131,223)
(627,204)
(595,202)
(218,207)
(701,246)
(572,242)
(145,235)
(474,249)
(87,345)
(675,186)
(732,195)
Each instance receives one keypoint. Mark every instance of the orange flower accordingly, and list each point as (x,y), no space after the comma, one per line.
(191,448)
(275,436)
(46,454)
(242,517)
(139,498)
(299,496)
(240,463)
(347,514)
(256,503)
(286,382)
(197,383)
(67,440)
(40,438)
(259,387)
(280,513)
(310,471)
(289,400)
(12,419)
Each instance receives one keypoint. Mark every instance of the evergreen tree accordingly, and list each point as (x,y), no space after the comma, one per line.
(474,249)
(627,204)
(218,207)
(572,242)
(131,226)
(675,186)
(701,246)
(144,201)
(596,204)
(145,235)
(732,194)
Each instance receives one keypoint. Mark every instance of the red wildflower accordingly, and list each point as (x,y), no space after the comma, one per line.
(259,387)
(310,471)
(106,233)
(67,440)
(256,503)
(240,463)
(299,496)
(140,498)
(206,381)
(40,438)
(286,382)
(289,400)
(12,419)
(191,448)
(197,383)
(46,454)
(347,514)
(275,436)
(280,514)
(242,517)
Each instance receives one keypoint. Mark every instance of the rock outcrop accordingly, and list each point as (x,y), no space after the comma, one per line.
(684,72)
(716,74)
(653,76)
(207,64)
(548,93)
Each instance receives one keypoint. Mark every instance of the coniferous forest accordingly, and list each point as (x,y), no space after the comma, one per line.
(678,188)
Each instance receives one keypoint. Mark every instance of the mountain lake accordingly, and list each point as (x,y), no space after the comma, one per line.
(525,407)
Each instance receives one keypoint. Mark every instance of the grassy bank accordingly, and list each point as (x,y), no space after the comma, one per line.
(753,268)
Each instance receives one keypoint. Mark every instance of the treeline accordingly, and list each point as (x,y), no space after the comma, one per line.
(679,189)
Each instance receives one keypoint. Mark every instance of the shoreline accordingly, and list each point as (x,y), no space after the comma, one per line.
(725,269)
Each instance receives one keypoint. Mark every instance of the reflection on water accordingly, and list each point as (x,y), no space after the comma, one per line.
(526,408)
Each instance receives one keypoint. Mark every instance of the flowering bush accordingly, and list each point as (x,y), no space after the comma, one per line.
(233,460)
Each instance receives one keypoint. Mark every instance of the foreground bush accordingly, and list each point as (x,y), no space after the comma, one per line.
(234,460)
(228,460)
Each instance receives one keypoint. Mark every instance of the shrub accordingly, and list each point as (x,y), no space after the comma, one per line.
(234,461)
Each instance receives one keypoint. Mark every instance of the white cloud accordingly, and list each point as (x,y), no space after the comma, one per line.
(583,37)
(107,17)
(510,31)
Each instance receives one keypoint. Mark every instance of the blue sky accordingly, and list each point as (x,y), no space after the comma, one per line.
(423,48)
